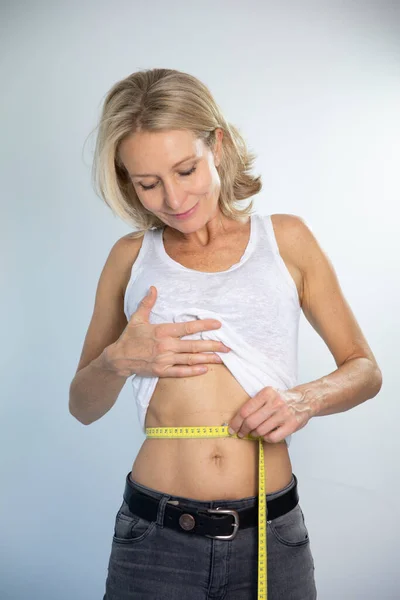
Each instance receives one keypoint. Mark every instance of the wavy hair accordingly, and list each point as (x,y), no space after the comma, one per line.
(166,99)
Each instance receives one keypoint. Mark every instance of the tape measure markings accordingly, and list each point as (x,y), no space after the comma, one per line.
(222,431)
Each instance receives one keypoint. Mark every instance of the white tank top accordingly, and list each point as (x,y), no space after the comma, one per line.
(256,300)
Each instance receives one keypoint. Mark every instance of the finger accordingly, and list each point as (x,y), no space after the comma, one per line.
(237,422)
(245,420)
(195,359)
(142,314)
(279,434)
(187,328)
(257,420)
(198,346)
(266,427)
(183,371)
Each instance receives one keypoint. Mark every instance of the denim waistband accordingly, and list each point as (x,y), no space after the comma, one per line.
(200,504)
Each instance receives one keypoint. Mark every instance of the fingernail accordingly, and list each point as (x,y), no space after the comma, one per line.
(231,431)
(240,435)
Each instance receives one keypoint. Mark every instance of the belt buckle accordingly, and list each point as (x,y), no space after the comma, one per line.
(235,525)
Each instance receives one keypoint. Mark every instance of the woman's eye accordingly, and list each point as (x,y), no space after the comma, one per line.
(192,170)
(151,187)
(147,187)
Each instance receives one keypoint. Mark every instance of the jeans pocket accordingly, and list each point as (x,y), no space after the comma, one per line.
(290,529)
(129,528)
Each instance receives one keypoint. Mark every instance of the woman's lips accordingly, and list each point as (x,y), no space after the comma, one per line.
(186,214)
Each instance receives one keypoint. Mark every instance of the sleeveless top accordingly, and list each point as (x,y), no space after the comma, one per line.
(256,301)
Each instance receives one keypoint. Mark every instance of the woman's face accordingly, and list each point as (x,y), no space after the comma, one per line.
(167,188)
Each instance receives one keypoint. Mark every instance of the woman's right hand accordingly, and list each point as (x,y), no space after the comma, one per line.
(157,350)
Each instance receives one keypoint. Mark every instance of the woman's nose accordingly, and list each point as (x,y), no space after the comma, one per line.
(174,195)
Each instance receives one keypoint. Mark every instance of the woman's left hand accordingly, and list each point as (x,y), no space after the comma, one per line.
(272,414)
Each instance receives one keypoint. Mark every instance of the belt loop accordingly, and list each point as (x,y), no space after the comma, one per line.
(161,509)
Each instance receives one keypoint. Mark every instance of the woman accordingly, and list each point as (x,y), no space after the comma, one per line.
(202,310)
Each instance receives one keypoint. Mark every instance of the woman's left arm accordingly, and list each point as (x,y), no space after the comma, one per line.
(358,376)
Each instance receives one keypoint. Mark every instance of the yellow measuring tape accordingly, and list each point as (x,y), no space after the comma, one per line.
(222,431)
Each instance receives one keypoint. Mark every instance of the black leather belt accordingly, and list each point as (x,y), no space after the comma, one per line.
(210,522)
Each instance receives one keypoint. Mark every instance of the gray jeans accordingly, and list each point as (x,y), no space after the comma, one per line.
(151,562)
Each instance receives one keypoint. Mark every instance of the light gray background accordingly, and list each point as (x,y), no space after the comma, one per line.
(315,90)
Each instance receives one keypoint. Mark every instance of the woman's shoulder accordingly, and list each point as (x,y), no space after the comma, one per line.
(288,230)
(125,251)
(287,221)
(291,234)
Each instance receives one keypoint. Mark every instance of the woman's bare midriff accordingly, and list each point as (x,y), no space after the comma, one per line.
(203,468)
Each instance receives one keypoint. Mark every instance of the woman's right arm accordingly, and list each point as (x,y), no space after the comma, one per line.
(95,388)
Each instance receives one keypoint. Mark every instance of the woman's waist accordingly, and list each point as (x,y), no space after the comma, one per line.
(210,467)
(207,468)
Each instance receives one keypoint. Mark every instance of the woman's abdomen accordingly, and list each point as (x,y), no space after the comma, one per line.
(204,468)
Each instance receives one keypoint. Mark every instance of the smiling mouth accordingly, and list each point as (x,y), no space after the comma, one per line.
(184,213)
(180,214)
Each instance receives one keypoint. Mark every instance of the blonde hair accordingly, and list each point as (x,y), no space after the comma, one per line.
(165,99)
